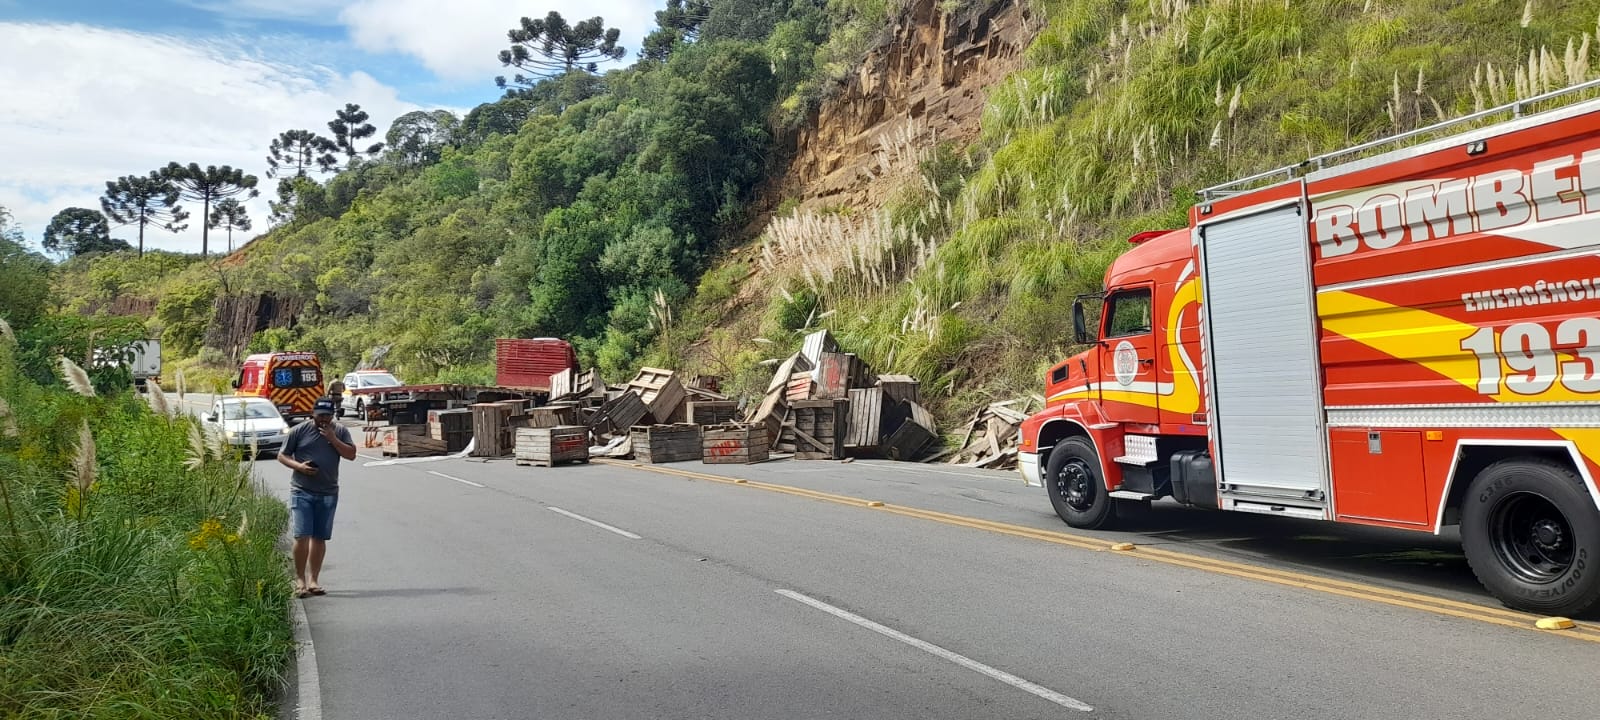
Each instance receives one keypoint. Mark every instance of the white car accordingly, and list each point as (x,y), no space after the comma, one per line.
(247,421)
(363,379)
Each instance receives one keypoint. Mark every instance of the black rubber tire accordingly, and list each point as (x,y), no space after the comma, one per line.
(1077,488)
(361,410)
(1554,573)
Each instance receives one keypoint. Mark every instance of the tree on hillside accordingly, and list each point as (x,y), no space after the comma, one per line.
(230,215)
(679,23)
(350,126)
(143,201)
(76,231)
(297,151)
(208,186)
(24,277)
(550,47)
(417,137)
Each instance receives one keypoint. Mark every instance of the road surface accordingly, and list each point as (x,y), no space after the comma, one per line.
(482,589)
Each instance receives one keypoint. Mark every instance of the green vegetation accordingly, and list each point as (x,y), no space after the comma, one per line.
(1123,110)
(139,569)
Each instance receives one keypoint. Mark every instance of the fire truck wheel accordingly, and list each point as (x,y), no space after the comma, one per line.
(1531,533)
(1076,487)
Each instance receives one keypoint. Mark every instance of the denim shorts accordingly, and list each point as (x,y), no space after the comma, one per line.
(312,514)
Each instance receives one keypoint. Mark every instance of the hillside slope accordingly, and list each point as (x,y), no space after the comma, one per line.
(933,182)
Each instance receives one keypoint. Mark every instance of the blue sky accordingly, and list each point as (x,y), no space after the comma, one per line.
(97,89)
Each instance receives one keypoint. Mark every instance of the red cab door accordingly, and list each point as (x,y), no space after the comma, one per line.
(1129,387)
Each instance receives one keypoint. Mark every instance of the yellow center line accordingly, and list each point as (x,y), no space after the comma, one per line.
(1360,591)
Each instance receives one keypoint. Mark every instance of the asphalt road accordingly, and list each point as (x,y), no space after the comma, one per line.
(486,590)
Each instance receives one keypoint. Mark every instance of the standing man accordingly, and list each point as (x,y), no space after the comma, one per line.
(313,451)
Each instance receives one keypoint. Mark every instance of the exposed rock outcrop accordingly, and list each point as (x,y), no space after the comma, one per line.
(928,83)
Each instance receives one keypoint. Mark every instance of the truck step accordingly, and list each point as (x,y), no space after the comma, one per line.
(1139,450)
(1129,495)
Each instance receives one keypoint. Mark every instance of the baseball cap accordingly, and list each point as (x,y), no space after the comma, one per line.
(324,407)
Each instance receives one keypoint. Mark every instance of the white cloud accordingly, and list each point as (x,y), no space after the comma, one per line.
(308,11)
(461,40)
(72,120)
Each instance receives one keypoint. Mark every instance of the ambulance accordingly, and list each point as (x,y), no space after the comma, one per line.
(291,380)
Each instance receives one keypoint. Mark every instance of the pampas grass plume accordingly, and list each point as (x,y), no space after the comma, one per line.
(158,399)
(6,333)
(8,425)
(83,464)
(76,378)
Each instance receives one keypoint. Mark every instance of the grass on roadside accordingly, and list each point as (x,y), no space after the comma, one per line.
(139,570)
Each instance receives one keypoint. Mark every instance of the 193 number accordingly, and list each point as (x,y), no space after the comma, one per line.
(1530,353)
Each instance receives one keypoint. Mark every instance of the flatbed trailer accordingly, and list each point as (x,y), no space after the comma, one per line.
(411,403)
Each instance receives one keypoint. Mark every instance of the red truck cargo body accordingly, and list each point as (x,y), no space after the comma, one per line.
(527,364)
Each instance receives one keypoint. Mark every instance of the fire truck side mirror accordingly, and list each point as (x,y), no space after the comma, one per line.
(235,383)
(1080,333)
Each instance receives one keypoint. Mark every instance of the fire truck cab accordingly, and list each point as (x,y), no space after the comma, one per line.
(1408,340)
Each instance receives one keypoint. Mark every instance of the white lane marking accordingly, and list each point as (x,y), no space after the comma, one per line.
(451,477)
(309,694)
(596,523)
(369,457)
(958,659)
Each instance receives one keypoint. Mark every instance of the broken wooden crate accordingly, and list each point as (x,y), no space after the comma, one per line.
(836,374)
(408,441)
(819,428)
(620,412)
(549,446)
(712,412)
(912,436)
(993,436)
(553,415)
(660,391)
(900,388)
(666,443)
(733,444)
(452,427)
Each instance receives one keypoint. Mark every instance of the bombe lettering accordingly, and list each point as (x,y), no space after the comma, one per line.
(1385,217)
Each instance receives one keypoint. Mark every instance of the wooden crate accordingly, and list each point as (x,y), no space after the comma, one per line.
(408,441)
(801,386)
(550,446)
(660,390)
(733,444)
(492,430)
(908,440)
(443,423)
(865,432)
(618,414)
(553,415)
(713,412)
(666,443)
(837,374)
(900,388)
(819,428)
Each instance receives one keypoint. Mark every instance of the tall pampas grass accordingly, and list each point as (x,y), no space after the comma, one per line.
(8,423)
(197,448)
(182,385)
(6,333)
(76,378)
(158,399)
(83,464)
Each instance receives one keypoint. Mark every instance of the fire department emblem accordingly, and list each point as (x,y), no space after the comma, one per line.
(1126,363)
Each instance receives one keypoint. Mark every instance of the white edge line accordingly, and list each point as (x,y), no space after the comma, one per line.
(308,695)
(958,659)
(450,477)
(595,523)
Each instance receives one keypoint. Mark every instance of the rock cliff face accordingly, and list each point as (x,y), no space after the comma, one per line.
(928,84)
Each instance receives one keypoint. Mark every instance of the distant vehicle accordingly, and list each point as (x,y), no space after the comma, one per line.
(142,358)
(146,362)
(291,380)
(247,421)
(357,403)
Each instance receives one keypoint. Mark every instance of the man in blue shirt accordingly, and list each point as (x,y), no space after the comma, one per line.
(313,450)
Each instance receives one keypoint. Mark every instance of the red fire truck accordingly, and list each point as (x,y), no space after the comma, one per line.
(1408,339)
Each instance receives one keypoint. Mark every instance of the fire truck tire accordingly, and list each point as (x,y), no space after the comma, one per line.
(1531,533)
(1077,488)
